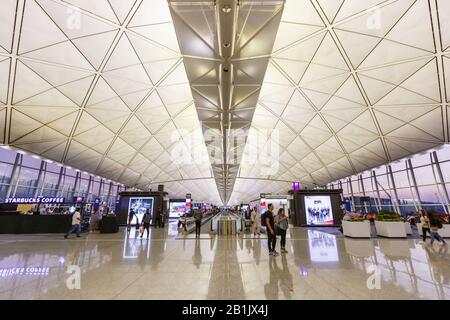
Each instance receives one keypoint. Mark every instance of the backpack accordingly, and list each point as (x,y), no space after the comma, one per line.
(263,219)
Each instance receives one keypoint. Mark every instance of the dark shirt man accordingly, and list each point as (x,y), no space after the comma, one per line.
(271,235)
(198,222)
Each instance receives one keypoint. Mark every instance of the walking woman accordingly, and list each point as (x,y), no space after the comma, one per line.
(282,221)
(425,224)
(435,224)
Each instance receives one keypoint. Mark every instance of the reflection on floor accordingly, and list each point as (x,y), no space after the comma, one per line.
(321,264)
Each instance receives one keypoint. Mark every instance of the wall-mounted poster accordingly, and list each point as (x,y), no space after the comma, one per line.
(139,206)
(318,210)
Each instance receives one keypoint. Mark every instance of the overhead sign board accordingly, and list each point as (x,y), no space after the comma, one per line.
(37,200)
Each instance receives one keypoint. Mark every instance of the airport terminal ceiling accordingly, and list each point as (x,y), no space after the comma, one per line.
(137,91)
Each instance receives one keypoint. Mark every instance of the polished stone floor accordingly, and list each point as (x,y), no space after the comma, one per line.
(321,264)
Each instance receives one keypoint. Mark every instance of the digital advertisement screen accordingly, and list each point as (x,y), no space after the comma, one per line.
(176,209)
(139,206)
(318,210)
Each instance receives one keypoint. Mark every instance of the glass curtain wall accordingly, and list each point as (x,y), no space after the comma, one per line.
(404,186)
(22,175)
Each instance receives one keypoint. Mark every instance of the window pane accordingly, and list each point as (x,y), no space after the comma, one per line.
(51,180)
(398,165)
(28,176)
(355,186)
(31,162)
(383,182)
(429,194)
(85,176)
(52,167)
(5,172)
(49,192)
(7,155)
(95,188)
(3,191)
(25,192)
(405,194)
(71,172)
(401,179)
(366,174)
(445,168)
(421,160)
(83,186)
(380,170)
(69,183)
(444,154)
(424,176)
(367,185)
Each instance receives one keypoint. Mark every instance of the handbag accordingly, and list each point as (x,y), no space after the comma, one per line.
(141,229)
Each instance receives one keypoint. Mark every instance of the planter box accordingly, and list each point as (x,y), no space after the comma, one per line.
(390,229)
(356,229)
(408,229)
(444,232)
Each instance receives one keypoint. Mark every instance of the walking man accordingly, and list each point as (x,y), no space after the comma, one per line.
(76,220)
(198,222)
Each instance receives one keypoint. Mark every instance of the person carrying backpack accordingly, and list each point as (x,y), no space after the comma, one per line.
(146,222)
(269,222)
(435,225)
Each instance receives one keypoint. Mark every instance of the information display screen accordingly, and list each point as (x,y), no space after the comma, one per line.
(139,206)
(319,211)
(176,209)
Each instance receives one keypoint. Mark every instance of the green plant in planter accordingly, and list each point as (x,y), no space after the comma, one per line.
(388,216)
(361,219)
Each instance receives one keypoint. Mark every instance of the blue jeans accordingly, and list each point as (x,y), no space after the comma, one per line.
(72,229)
(437,236)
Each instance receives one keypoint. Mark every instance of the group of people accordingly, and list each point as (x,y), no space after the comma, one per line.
(276,224)
(144,225)
(431,225)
